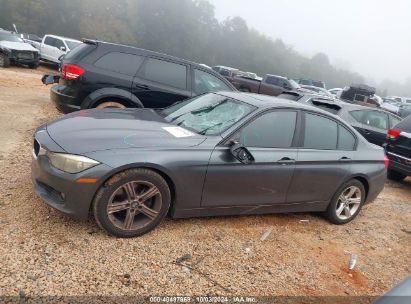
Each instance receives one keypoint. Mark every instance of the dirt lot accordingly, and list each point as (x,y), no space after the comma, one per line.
(44,253)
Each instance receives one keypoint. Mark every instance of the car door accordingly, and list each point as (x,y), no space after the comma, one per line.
(47,48)
(60,48)
(161,83)
(324,160)
(115,69)
(375,125)
(271,86)
(271,138)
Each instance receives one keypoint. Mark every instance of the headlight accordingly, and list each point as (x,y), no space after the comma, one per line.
(71,163)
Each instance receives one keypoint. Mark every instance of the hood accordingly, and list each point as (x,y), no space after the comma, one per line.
(18,46)
(95,130)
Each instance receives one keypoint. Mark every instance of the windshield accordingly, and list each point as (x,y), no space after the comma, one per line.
(209,114)
(72,44)
(10,37)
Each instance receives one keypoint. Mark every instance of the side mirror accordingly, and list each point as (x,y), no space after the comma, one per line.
(63,48)
(241,153)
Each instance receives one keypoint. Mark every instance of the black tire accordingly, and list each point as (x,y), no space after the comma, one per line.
(395,176)
(33,65)
(105,194)
(4,61)
(331,213)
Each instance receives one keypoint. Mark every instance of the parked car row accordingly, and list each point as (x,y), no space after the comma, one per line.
(195,146)
(28,49)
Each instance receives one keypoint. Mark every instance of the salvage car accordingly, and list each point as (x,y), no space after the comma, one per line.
(217,154)
(13,50)
(398,149)
(53,47)
(372,123)
(104,75)
(272,85)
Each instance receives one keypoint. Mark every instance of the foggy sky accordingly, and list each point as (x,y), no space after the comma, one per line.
(372,37)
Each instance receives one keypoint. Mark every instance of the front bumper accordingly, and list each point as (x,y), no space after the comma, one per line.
(60,189)
(64,103)
(24,57)
(399,163)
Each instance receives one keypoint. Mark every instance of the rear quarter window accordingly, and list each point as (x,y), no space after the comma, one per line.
(123,63)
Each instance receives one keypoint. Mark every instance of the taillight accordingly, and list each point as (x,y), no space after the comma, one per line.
(386,161)
(71,71)
(393,133)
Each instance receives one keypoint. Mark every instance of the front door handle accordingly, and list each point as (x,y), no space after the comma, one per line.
(286,160)
(344,158)
(142,86)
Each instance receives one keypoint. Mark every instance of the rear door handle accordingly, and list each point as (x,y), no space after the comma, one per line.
(344,158)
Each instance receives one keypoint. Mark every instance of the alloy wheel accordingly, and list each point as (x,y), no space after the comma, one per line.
(134,205)
(348,202)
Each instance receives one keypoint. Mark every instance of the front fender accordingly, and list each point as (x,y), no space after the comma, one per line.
(91,100)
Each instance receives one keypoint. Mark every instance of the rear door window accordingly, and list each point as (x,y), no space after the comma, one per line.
(123,63)
(272,80)
(169,73)
(205,82)
(320,133)
(358,115)
(376,119)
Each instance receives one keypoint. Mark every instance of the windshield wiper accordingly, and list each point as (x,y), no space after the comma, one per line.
(204,131)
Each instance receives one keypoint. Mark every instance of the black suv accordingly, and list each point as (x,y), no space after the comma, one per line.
(398,149)
(102,75)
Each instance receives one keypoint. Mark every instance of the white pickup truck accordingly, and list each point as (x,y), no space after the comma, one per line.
(53,47)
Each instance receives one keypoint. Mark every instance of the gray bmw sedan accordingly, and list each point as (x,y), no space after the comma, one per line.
(216,154)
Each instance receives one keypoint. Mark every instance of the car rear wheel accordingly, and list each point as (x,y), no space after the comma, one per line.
(395,176)
(111,104)
(132,203)
(346,203)
(4,61)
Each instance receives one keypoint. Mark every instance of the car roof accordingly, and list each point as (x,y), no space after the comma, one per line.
(353,107)
(62,37)
(278,76)
(265,101)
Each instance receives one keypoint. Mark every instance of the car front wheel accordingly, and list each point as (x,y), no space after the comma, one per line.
(346,203)
(4,61)
(132,203)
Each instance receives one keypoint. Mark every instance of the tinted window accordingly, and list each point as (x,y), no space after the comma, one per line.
(320,133)
(122,63)
(205,82)
(49,41)
(394,121)
(346,141)
(376,119)
(59,43)
(80,52)
(165,72)
(271,130)
(272,80)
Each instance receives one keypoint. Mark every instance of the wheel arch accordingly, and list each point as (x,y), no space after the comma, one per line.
(113,94)
(163,172)
(364,181)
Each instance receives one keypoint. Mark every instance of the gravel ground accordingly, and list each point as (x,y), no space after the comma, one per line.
(44,253)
